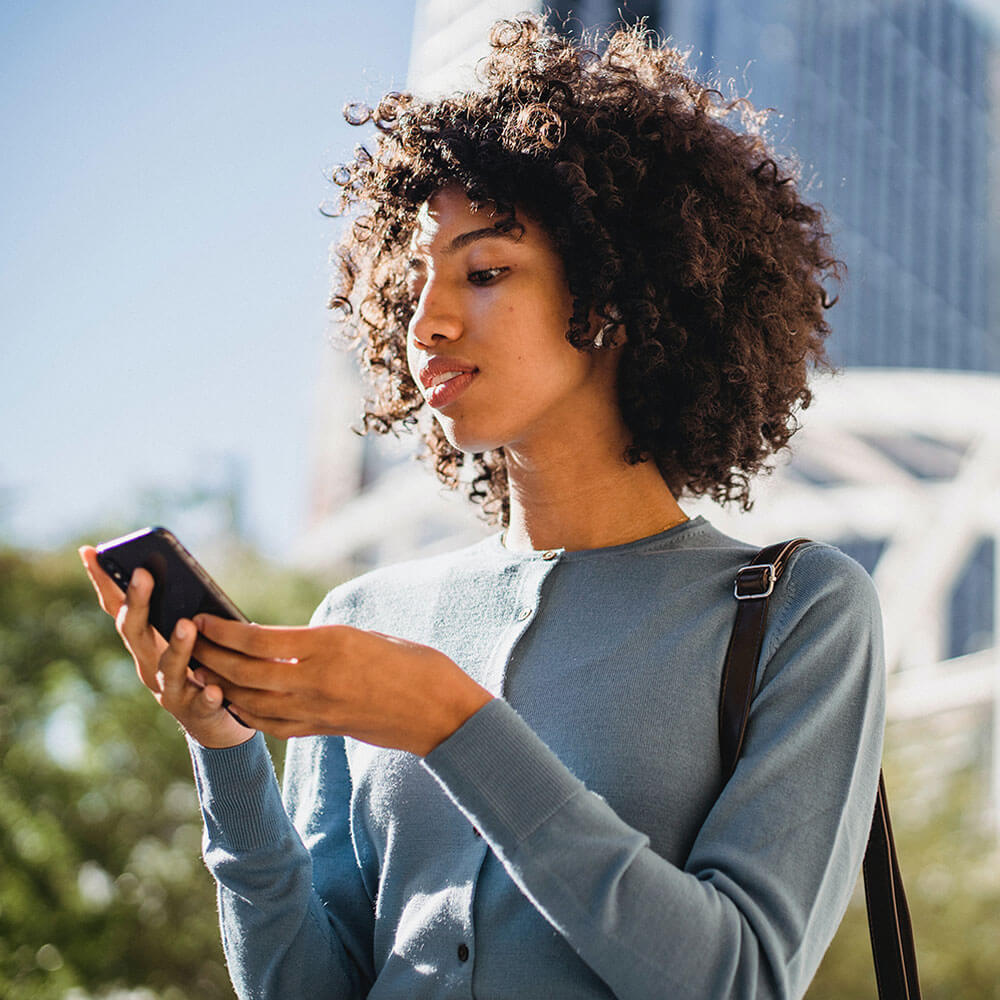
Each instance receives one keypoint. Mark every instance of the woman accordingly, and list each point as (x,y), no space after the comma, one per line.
(507,778)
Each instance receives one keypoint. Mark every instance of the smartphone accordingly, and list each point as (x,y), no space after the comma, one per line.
(182,587)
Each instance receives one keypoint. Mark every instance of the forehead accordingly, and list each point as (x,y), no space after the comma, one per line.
(448,216)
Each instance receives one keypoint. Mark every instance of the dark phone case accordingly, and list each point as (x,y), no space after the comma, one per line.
(182,587)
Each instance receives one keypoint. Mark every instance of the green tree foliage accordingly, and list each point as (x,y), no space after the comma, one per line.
(950,860)
(101,885)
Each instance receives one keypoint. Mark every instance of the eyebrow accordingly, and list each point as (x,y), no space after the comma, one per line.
(464,239)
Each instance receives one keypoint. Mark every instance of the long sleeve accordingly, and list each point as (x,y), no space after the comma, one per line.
(281,940)
(774,862)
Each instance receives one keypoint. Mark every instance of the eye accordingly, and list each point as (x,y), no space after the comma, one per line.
(487,275)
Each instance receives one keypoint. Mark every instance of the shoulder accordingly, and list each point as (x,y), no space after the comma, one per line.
(825,610)
(822,588)
(814,568)
(821,575)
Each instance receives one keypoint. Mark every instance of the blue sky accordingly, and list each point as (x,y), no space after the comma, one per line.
(163,263)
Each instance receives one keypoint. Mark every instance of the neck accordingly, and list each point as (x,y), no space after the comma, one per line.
(585,498)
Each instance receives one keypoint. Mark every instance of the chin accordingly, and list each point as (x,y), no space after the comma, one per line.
(465,438)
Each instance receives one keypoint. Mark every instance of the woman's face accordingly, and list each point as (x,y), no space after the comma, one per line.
(487,343)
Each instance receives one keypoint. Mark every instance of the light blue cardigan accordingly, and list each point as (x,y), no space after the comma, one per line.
(572,839)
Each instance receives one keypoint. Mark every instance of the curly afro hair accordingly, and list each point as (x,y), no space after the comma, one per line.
(673,218)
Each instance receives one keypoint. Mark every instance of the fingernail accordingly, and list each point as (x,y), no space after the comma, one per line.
(181,630)
(199,622)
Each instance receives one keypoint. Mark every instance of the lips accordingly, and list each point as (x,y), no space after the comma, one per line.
(445,379)
(439,368)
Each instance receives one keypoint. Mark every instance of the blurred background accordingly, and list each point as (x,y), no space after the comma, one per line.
(165,359)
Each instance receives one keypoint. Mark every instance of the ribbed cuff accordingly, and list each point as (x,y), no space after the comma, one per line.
(239,794)
(501,775)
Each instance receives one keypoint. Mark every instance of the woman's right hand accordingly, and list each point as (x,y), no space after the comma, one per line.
(163,666)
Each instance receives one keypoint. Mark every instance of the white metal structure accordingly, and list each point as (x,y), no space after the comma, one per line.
(449,37)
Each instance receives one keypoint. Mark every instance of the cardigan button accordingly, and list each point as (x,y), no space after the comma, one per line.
(463,952)
(550,555)
(524,614)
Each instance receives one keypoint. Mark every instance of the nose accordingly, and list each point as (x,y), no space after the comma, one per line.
(436,317)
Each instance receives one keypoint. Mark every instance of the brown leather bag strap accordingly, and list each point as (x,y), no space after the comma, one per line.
(889,923)
(754,583)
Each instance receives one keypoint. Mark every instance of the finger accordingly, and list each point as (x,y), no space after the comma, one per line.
(205,699)
(209,699)
(172,672)
(210,696)
(133,616)
(268,702)
(273,705)
(208,678)
(226,665)
(263,642)
(283,729)
(109,594)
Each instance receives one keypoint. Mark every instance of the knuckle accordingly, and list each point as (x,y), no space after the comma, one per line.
(254,640)
(248,702)
(337,638)
(259,641)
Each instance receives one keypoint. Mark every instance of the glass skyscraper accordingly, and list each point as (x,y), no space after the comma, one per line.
(888,105)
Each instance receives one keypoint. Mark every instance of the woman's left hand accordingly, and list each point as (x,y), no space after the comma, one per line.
(336,680)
